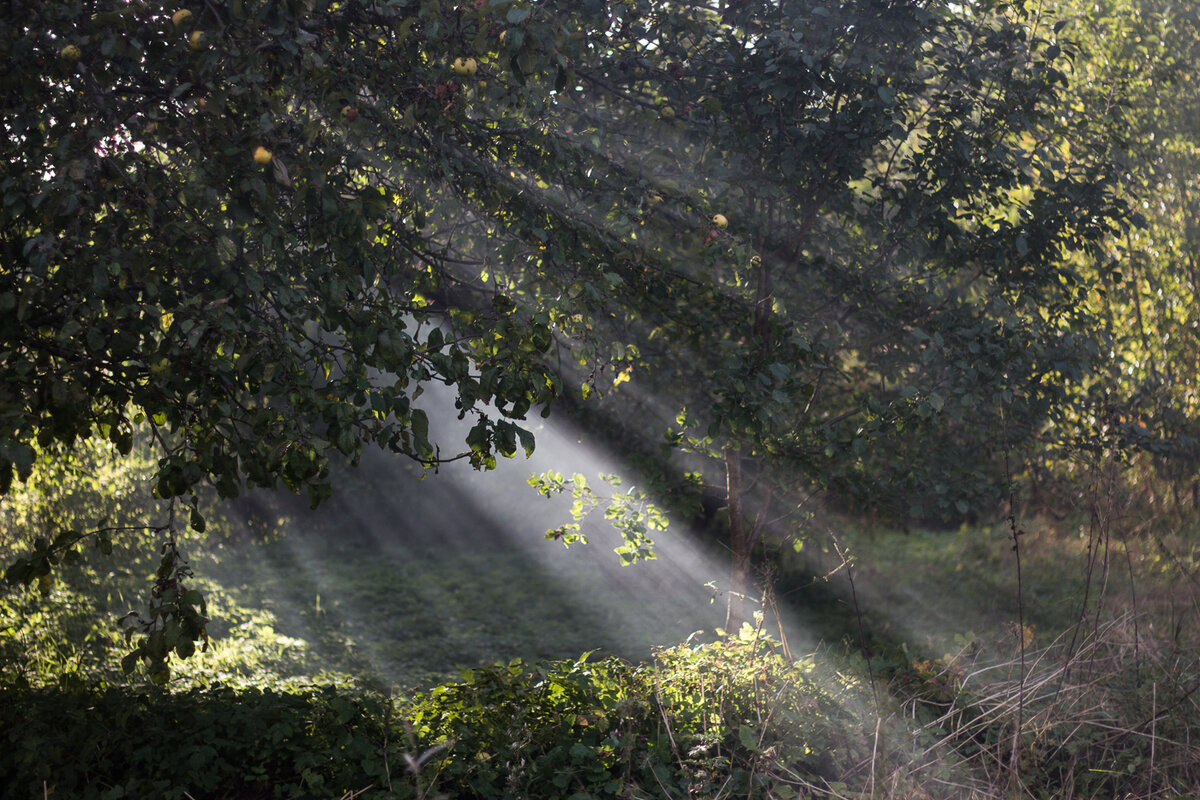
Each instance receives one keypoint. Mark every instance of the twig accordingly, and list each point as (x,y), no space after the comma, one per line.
(387,727)
(1153,737)
(844,555)
(1016,539)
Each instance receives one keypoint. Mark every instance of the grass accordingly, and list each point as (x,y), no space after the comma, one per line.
(397,610)
(934,590)
(407,617)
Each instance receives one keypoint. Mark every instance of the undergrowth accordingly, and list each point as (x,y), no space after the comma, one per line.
(730,719)
(1097,695)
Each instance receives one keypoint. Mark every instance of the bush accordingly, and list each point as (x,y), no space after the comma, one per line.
(216,743)
(733,716)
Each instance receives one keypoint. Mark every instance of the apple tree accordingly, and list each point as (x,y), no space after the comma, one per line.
(822,235)
(844,243)
(232,226)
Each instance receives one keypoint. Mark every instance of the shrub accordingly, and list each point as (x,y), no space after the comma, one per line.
(732,716)
(215,743)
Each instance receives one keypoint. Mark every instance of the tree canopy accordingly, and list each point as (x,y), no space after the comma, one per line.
(832,238)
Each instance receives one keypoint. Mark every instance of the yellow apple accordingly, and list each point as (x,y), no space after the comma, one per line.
(70,53)
(197,41)
(262,155)
(182,18)
(464,66)
(720,221)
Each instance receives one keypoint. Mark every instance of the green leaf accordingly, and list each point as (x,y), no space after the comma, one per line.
(419,422)
(526,441)
(185,647)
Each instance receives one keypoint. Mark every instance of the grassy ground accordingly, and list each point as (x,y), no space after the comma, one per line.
(406,609)
(933,590)
(405,616)
(408,613)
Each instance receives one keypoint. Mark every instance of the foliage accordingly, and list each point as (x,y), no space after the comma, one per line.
(851,247)
(830,235)
(207,237)
(61,630)
(695,720)
(1128,443)
(897,278)
(860,295)
(629,512)
(158,275)
(215,743)
(1133,94)
(732,717)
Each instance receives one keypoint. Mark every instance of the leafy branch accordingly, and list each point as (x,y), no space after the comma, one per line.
(629,512)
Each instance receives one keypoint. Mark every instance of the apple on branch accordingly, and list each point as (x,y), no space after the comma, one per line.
(465,66)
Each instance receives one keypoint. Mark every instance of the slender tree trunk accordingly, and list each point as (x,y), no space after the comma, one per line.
(742,537)
(740,543)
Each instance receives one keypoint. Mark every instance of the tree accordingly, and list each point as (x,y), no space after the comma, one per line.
(217,225)
(235,228)
(902,276)
(1136,93)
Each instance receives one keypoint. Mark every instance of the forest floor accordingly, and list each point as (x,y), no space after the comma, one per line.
(906,656)
(411,613)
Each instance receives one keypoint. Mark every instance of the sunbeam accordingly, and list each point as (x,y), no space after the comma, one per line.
(389,520)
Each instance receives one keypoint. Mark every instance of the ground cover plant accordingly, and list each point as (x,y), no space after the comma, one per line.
(734,718)
(692,720)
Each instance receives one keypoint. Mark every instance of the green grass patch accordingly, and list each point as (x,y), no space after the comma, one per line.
(397,615)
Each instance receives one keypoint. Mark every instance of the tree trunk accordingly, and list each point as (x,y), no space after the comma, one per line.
(740,543)
(742,538)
